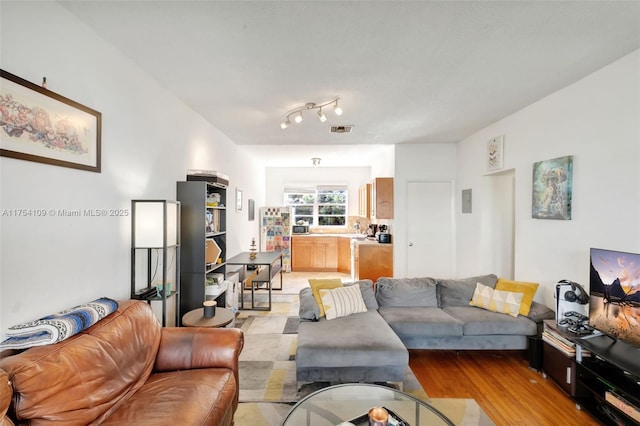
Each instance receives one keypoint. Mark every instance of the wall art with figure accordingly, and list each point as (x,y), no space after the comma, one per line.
(552,188)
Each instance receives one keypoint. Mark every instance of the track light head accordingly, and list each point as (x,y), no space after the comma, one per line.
(285,124)
(298,118)
(321,116)
(315,161)
(337,109)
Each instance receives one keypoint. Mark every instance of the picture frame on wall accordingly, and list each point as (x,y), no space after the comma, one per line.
(42,126)
(495,154)
(238,200)
(251,207)
(552,188)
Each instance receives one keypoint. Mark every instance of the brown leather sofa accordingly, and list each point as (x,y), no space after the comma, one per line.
(128,370)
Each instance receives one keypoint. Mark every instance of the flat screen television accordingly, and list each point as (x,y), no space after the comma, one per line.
(614,305)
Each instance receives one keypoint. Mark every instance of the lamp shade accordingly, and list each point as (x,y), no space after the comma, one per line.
(155,223)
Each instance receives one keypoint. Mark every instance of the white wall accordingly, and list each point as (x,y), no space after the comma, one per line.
(597,121)
(149,140)
(416,162)
(353,177)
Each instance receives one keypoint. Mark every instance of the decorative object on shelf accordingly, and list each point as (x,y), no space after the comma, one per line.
(252,250)
(212,251)
(251,206)
(311,106)
(209,308)
(155,250)
(238,200)
(495,153)
(58,131)
(378,416)
(552,188)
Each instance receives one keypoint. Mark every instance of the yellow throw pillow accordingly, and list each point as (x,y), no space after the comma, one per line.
(528,291)
(318,283)
(503,302)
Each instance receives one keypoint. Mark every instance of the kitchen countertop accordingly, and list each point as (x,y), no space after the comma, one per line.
(360,239)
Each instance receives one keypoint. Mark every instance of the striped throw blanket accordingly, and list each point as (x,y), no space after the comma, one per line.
(57,327)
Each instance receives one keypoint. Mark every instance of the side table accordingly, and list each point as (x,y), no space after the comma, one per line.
(196,318)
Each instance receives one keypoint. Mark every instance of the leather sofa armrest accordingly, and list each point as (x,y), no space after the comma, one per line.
(183,348)
(6,393)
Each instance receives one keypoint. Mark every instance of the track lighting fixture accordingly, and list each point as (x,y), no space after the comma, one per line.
(315,161)
(297,112)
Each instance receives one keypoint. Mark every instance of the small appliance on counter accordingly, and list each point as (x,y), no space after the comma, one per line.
(300,229)
(383,236)
(372,230)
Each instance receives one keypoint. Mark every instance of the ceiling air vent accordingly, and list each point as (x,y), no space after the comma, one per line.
(341,129)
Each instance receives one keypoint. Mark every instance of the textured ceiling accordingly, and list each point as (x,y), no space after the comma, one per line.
(406,72)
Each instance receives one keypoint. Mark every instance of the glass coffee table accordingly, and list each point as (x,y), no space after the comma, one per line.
(351,402)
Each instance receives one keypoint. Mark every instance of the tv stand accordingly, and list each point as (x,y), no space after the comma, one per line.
(608,381)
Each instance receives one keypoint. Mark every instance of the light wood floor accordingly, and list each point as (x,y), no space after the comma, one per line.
(501,382)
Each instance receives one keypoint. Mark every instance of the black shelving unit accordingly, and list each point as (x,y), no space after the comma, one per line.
(155,255)
(608,381)
(202,219)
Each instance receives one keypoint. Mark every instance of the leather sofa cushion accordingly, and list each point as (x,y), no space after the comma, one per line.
(186,397)
(86,376)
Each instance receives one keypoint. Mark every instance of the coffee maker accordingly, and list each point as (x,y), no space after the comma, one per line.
(384,236)
(372,230)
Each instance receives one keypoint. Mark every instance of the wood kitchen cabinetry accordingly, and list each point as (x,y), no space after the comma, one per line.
(364,201)
(382,198)
(344,255)
(314,254)
(373,261)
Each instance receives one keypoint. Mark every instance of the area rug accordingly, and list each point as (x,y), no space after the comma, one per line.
(268,386)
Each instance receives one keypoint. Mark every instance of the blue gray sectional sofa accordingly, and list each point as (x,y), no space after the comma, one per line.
(404,313)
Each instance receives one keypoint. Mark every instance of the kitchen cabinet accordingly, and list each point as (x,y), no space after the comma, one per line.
(382,198)
(364,201)
(314,254)
(373,260)
(344,255)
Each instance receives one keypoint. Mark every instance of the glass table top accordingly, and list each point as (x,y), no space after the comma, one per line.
(337,404)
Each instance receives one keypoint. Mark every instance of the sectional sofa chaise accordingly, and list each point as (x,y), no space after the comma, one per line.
(412,313)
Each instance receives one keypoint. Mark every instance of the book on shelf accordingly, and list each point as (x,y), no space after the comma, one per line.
(553,340)
(622,404)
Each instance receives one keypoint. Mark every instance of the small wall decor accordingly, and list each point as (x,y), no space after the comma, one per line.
(495,153)
(552,188)
(466,200)
(40,125)
(251,206)
(238,200)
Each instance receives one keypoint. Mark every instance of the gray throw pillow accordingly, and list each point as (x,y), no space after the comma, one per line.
(309,309)
(458,292)
(369,297)
(407,292)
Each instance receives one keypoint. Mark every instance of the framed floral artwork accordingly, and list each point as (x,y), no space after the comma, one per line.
(495,153)
(39,125)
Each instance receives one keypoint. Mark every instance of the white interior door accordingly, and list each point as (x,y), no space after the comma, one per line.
(430,229)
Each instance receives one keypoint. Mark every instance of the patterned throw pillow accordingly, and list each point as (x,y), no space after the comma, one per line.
(318,284)
(342,301)
(527,289)
(504,302)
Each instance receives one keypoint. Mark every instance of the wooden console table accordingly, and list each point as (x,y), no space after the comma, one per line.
(267,265)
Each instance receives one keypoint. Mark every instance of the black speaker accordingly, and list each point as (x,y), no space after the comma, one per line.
(534,351)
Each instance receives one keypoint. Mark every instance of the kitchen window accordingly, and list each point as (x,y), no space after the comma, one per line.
(318,206)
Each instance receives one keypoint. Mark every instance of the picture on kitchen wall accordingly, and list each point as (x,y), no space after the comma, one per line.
(495,153)
(42,126)
(552,188)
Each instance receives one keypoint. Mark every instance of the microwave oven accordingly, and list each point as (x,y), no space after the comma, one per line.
(300,229)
